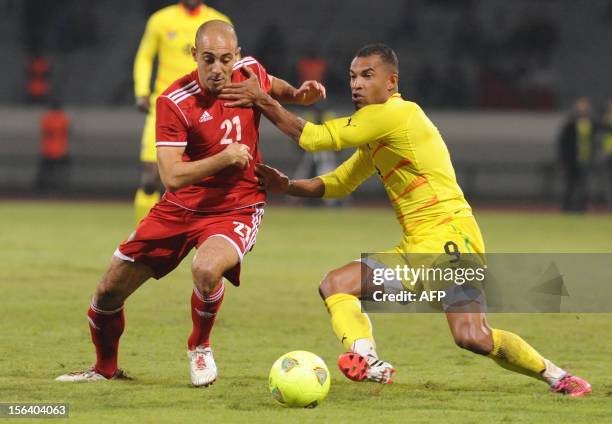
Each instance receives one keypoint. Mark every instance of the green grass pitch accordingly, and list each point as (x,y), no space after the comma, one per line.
(54,253)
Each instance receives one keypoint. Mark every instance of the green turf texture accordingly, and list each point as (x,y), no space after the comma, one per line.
(54,253)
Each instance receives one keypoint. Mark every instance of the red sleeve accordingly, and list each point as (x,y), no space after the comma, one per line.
(170,124)
(260,71)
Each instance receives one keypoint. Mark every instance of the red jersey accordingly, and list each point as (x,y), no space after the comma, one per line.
(188,116)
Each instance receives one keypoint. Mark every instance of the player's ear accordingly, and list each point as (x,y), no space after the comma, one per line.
(392,82)
(193,52)
(238,51)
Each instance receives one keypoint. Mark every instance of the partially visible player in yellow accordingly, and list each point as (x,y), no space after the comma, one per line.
(168,36)
(395,139)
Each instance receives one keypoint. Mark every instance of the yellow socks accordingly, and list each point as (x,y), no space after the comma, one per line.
(354,330)
(348,322)
(143,203)
(515,354)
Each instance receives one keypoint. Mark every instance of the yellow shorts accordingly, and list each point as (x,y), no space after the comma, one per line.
(148,153)
(440,243)
(459,235)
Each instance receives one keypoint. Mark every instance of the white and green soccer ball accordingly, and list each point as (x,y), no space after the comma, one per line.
(299,379)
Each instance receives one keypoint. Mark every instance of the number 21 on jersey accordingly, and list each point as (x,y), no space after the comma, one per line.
(228,126)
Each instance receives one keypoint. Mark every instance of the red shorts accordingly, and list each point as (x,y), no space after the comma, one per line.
(167,234)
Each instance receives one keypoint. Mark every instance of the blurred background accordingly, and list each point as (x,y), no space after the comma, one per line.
(519,90)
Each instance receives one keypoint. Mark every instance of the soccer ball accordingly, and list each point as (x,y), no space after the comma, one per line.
(299,379)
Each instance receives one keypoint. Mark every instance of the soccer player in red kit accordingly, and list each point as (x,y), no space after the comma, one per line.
(206,155)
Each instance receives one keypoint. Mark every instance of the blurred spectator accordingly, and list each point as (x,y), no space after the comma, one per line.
(313,67)
(576,145)
(606,150)
(37,84)
(54,167)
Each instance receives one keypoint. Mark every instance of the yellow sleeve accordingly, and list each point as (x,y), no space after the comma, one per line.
(143,64)
(367,125)
(343,180)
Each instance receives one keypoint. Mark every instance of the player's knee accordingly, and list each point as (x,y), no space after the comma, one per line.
(334,283)
(474,339)
(108,295)
(206,277)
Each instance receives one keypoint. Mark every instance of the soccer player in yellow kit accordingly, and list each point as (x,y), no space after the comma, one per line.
(395,139)
(168,35)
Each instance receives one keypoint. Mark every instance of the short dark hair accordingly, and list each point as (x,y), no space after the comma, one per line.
(385,52)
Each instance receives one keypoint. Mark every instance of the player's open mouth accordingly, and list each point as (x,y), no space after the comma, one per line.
(357,96)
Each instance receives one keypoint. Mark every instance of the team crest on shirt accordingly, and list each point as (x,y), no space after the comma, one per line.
(171,35)
(205,117)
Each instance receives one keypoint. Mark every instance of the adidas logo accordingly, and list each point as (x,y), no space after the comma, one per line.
(205,117)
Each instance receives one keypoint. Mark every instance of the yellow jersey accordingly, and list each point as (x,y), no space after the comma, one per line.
(399,142)
(169,35)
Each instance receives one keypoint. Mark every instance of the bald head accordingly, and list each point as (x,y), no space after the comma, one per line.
(215,32)
(216,50)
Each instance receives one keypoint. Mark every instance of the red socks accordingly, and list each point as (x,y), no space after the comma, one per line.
(106,328)
(203,314)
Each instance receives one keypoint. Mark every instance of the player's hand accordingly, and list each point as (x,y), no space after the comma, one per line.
(271,179)
(242,94)
(143,103)
(238,154)
(310,92)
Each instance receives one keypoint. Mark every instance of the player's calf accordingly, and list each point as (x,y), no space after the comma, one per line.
(471,332)
(475,341)
(121,279)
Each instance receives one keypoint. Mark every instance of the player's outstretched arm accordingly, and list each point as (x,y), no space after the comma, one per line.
(335,134)
(249,92)
(310,92)
(275,181)
(175,173)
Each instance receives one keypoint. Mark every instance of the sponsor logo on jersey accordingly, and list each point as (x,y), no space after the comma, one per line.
(205,117)
(205,314)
